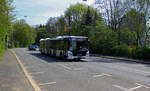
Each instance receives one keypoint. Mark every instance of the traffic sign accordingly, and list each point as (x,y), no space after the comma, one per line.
(67,28)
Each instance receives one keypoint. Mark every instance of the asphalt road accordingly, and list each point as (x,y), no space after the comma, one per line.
(93,74)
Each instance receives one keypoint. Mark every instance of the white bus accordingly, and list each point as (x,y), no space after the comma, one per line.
(66,47)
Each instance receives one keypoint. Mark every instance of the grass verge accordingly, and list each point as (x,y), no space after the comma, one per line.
(2,51)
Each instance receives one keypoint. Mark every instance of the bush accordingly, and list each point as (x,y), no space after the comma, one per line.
(141,53)
(120,50)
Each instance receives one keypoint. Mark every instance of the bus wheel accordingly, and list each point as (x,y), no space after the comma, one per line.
(50,53)
(77,59)
(61,55)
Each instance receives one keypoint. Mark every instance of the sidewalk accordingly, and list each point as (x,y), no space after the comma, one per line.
(121,58)
(11,76)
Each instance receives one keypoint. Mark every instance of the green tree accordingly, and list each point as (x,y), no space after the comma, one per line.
(61,23)
(23,34)
(41,32)
(6,17)
(88,19)
(76,13)
(137,24)
(82,18)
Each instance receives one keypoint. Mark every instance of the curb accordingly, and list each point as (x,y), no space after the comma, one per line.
(121,58)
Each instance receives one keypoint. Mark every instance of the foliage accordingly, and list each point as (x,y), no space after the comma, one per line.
(142,53)
(135,18)
(82,17)
(120,50)
(23,34)
(128,37)
(6,18)
(102,40)
(88,18)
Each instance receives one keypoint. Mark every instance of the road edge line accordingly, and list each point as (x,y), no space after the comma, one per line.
(30,79)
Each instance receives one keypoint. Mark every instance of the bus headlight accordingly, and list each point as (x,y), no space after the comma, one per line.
(69,53)
(87,53)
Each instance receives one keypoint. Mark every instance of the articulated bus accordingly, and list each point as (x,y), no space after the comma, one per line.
(66,47)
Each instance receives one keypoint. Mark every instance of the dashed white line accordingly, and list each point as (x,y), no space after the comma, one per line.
(122,88)
(135,88)
(143,85)
(50,83)
(101,75)
(131,89)
(98,75)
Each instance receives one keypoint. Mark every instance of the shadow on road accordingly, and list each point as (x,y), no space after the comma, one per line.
(50,59)
(91,59)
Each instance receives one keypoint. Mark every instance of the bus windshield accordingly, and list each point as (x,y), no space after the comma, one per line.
(76,45)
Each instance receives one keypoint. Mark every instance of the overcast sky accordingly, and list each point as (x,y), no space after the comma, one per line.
(38,11)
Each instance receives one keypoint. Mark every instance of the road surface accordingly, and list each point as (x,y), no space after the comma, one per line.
(93,74)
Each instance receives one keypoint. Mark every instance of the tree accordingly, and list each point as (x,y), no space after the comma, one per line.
(23,34)
(82,18)
(6,17)
(88,20)
(137,23)
(113,12)
(76,14)
(61,23)
(51,25)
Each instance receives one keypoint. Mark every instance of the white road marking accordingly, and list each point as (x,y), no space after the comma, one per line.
(131,89)
(143,85)
(135,88)
(65,66)
(103,74)
(98,75)
(50,83)
(122,88)
(107,74)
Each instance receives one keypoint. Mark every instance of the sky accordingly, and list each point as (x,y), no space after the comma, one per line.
(38,11)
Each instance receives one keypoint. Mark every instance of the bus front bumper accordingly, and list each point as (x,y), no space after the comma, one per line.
(77,57)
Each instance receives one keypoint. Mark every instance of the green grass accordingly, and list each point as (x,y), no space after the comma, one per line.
(2,49)
(1,54)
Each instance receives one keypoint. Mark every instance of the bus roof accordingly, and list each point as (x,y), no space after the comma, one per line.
(42,39)
(62,37)
(59,37)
